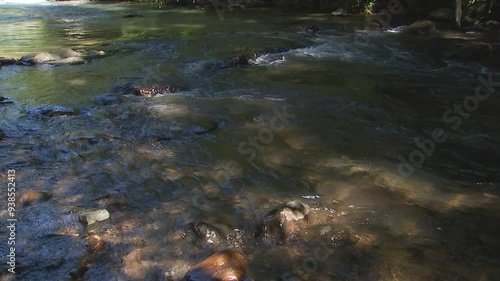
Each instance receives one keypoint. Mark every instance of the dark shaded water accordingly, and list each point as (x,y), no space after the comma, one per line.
(321,122)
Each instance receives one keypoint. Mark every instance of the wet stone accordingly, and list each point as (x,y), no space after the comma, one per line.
(284,222)
(57,113)
(4,100)
(96,243)
(228,265)
(328,235)
(7,61)
(53,111)
(204,128)
(148,91)
(2,135)
(131,15)
(205,233)
(307,29)
(83,140)
(91,217)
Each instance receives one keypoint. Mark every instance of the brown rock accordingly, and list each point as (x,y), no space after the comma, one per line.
(31,197)
(96,243)
(228,265)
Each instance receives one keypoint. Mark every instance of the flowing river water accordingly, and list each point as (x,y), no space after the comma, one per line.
(317,121)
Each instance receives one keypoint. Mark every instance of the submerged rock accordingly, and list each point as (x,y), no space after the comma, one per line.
(421,27)
(283,222)
(329,235)
(52,111)
(203,127)
(96,243)
(132,15)
(58,113)
(2,135)
(307,29)
(62,56)
(148,91)
(472,51)
(205,233)
(339,13)
(31,197)
(228,265)
(91,217)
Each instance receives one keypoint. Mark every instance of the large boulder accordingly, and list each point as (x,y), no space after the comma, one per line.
(227,265)
(421,27)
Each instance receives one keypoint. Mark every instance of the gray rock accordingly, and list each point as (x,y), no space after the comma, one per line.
(91,217)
